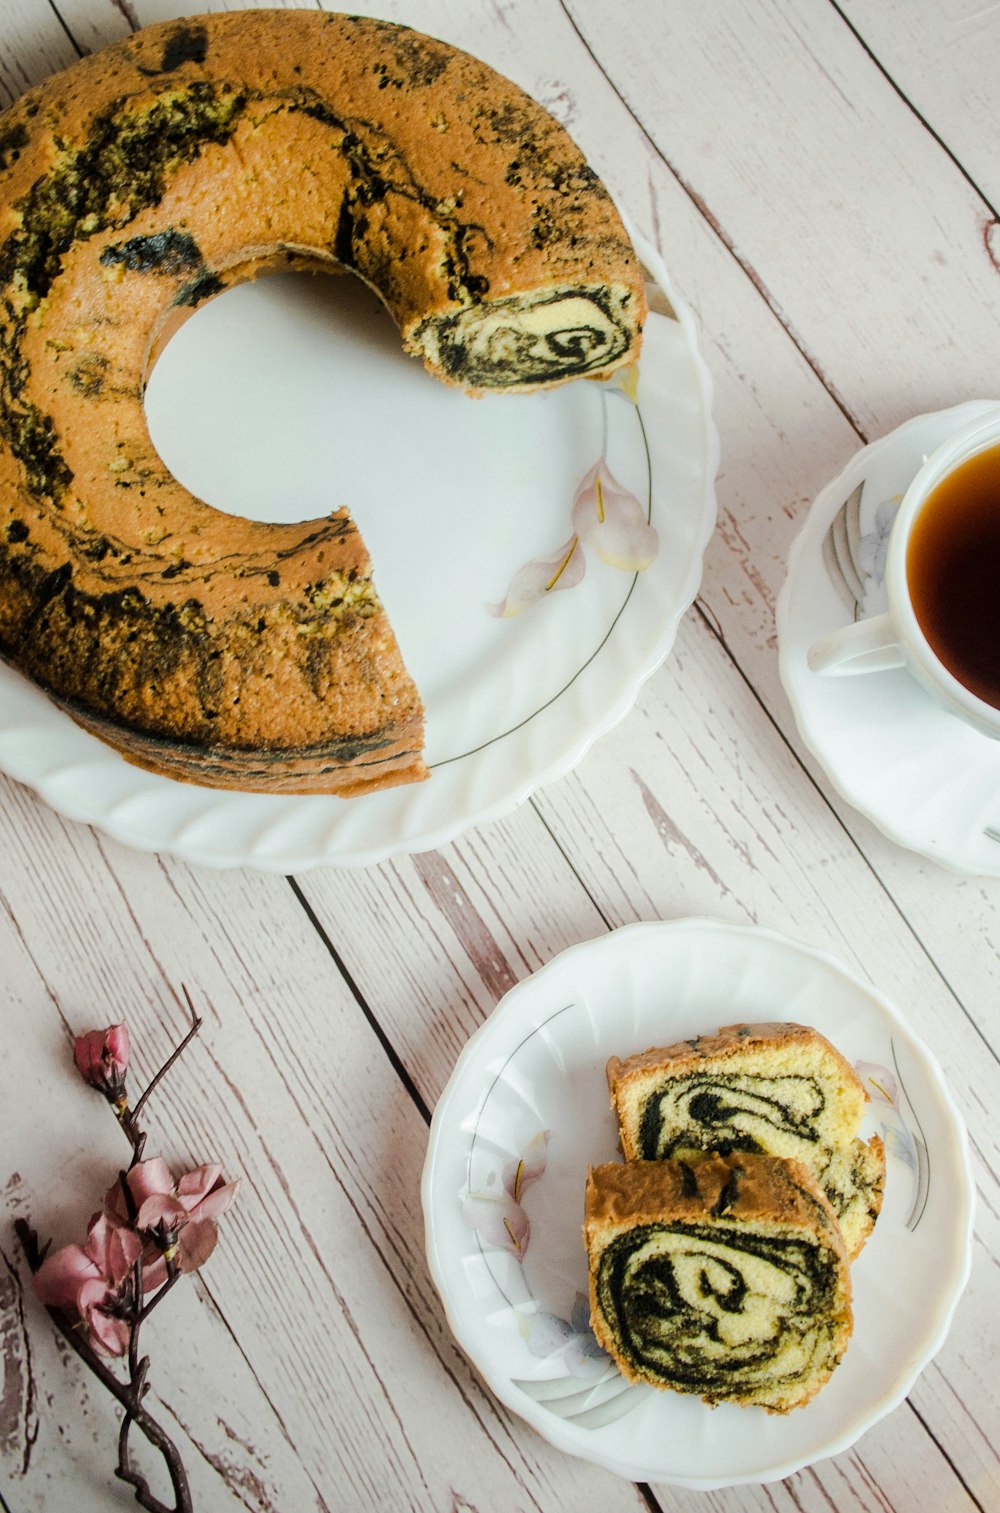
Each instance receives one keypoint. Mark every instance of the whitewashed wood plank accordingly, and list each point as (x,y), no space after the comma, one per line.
(34,45)
(320,1274)
(942,59)
(866,238)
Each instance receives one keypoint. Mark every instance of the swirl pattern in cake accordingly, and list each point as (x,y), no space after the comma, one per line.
(147,179)
(774,1089)
(725,1276)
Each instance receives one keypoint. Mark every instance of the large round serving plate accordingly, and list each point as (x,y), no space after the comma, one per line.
(286,399)
(530,1086)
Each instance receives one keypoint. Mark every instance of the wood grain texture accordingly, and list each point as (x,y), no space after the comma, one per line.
(823,198)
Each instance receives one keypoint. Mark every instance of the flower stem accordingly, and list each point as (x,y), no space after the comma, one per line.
(196,1024)
(129,1395)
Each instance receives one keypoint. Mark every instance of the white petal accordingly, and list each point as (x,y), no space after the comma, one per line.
(499,1220)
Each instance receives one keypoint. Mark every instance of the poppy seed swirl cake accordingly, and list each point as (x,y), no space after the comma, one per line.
(147,179)
(726,1276)
(776,1089)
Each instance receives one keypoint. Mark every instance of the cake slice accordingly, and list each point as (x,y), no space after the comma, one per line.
(777,1089)
(726,1276)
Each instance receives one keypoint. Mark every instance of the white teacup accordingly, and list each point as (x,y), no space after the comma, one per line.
(896,639)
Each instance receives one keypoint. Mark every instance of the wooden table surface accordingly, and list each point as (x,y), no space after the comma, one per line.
(822,180)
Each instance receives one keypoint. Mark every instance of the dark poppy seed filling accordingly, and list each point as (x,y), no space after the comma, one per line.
(726,1111)
(517,342)
(725,1276)
(717,1310)
(775,1089)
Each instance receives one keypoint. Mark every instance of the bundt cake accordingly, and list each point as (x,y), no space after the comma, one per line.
(776,1089)
(143,181)
(725,1276)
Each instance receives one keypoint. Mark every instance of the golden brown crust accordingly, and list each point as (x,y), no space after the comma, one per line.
(143,181)
(742,1187)
(851,1170)
(731,1040)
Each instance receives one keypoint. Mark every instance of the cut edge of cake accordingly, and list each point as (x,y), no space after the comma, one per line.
(714,1201)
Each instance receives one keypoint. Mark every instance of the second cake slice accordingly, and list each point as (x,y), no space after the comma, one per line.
(775,1089)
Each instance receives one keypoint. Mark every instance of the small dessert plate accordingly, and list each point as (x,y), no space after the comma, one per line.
(927,780)
(526,1113)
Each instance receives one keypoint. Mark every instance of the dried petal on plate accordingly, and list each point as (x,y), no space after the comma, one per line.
(626,379)
(880,1084)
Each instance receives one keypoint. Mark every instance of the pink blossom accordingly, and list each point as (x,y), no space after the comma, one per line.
(177,1219)
(102,1059)
(612,521)
(92,1282)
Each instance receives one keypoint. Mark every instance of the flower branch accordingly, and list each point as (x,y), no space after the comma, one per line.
(151,1230)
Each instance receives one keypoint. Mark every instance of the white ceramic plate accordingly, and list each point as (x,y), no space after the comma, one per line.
(927,780)
(536,1069)
(285,399)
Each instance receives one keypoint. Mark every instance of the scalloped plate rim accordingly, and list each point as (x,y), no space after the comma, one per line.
(552,1428)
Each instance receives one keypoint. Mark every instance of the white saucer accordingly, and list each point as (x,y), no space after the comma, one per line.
(530,1086)
(928,781)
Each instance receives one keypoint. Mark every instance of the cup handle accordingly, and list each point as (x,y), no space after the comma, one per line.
(865,646)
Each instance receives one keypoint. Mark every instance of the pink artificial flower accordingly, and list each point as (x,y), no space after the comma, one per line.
(612,521)
(562,569)
(92,1282)
(177,1219)
(101,1058)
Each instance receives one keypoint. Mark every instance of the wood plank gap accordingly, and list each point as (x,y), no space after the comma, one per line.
(566,858)
(716,630)
(208,1296)
(887,76)
(76,46)
(943,1452)
(360,1000)
(727,242)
